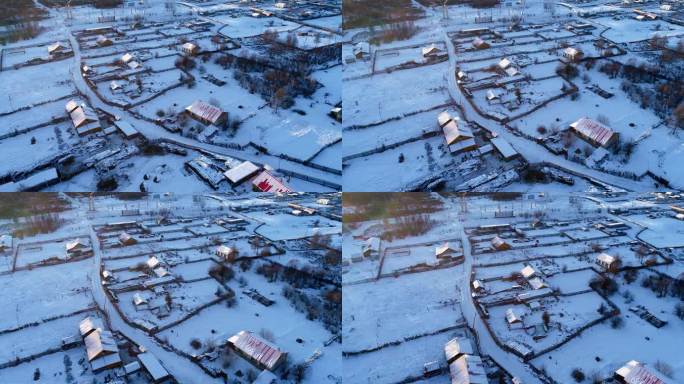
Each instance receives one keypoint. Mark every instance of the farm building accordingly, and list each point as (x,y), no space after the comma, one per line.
(153,262)
(500,244)
(537,283)
(161,272)
(226,252)
(126,58)
(206,113)
(635,372)
(478,286)
(458,136)
(444,251)
(266,182)
(362,50)
(371,248)
(139,300)
(431,51)
(504,64)
(5,242)
(504,148)
(134,65)
(528,272)
(56,48)
(75,246)
(71,105)
(257,351)
(594,132)
(240,173)
(153,367)
(512,317)
(83,117)
(190,49)
(126,239)
(127,129)
(90,324)
(607,261)
(103,41)
(478,43)
(115,85)
(102,351)
(571,54)
(468,369)
(493,95)
(456,348)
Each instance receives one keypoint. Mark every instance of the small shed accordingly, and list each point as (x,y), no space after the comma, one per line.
(226,252)
(528,272)
(240,173)
(500,244)
(126,239)
(512,316)
(190,49)
(153,367)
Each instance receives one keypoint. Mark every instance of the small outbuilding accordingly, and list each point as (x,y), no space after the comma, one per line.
(500,244)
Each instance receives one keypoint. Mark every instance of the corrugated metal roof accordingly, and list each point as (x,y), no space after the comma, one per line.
(258,349)
(241,172)
(205,111)
(153,366)
(593,130)
(100,343)
(266,182)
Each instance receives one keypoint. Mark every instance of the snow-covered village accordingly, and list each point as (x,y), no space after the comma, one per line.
(164,288)
(513,95)
(511,288)
(164,95)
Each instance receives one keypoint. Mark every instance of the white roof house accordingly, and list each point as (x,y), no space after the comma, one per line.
(139,299)
(504,148)
(237,175)
(468,369)
(444,250)
(161,272)
(127,57)
(504,63)
(189,48)
(74,245)
(71,105)
(512,317)
(56,47)
(537,283)
(605,260)
(100,343)
(457,347)
(493,94)
(594,132)
(126,128)
(480,44)
(90,324)
(430,50)
(5,242)
(153,262)
(134,64)
(114,85)
(500,244)
(152,365)
(371,246)
(126,239)
(512,71)
(528,272)
(225,251)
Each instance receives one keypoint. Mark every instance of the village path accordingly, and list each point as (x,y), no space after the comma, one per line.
(153,131)
(508,361)
(531,151)
(181,368)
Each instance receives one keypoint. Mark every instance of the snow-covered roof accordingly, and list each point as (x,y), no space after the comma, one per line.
(127,57)
(205,111)
(100,343)
(512,316)
(257,349)
(635,372)
(126,128)
(537,283)
(477,284)
(238,174)
(594,131)
(189,46)
(125,238)
(71,105)
(442,249)
(266,182)
(430,49)
(161,271)
(153,262)
(498,242)
(468,369)
(443,118)
(5,241)
(372,244)
(138,299)
(456,131)
(571,51)
(153,366)
(512,71)
(134,65)
(132,367)
(605,258)
(492,94)
(83,115)
(114,85)
(478,42)
(504,63)
(224,250)
(90,324)
(504,147)
(58,46)
(528,271)
(74,244)
(457,346)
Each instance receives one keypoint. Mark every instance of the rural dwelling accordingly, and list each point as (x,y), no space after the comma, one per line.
(134,65)
(153,262)
(240,173)
(528,272)
(56,48)
(512,317)
(504,64)
(456,348)
(102,351)
(468,369)
(458,136)
(84,119)
(594,132)
(153,367)
(126,58)
(607,262)
(126,239)
(71,105)
(504,148)
(259,352)
(635,372)
(103,41)
(371,247)
(478,286)
(190,49)
(5,242)
(161,272)
(362,50)
(431,51)
(478,43)
(75,247)
(139,301)
(206,113)
(500,244)
(431,369)
(225,252)
(492,95)
(572,55)
(115,85)
(444,251)
(537,283)
(127,129)
(90,324)
(266,182)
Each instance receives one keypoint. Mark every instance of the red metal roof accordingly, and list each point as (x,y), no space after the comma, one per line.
(258,349)
(205,111)
(593,130)
(265,182)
